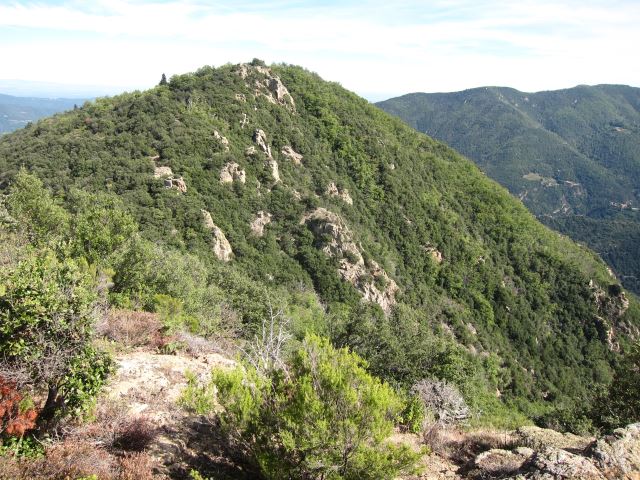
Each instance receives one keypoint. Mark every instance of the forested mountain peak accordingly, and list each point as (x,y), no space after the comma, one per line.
(247,183)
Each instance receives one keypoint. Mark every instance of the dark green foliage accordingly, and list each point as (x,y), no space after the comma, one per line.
(572,156)
(324,417)
(508,306)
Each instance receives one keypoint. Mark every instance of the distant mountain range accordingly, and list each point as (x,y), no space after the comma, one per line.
(572,156)
(16,112)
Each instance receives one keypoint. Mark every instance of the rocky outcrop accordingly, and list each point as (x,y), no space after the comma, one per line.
(618,455)
(266,84)
(434,253)
(612,304)
(341,193)
(292,155)
(557,464)
(262,220)
(177,182)
(260,138)
(221,246)
(232,172)
(540,438)
(162,172)
(370,279)
(273,166)
(221,140)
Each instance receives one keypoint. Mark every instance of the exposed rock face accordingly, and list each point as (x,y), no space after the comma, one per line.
(262,220)
(342,194)
(540,438)
(371,280)
(260,138)
(612,305)
(266,84)
(177,182)
(161,172)
(618,454)
(495,463)
(222,140)
(232,172)
(207,221)
(435,254)
(292,155)
(221,246)
(273,166)
(557,464)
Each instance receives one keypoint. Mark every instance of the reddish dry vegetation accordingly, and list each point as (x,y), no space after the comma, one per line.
(14,421)
(76,459)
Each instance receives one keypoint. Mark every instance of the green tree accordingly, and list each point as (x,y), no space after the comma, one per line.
(163,80)
(46,320)
(321,417)
(622,404)
(31,205)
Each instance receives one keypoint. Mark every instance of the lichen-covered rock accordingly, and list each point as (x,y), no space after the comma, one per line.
(262,220)
(292,155)
(232,172)
(221,246)
(434,253)
(273,166)
(162,172)
(618,454)
(496,463)
(341,193)
(370,279)
(558,464)
(260,138)
(540,438)
(207,221)
(266,84)
(222,140)
(179,184)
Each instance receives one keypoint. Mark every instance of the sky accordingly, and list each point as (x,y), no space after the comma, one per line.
(378,49)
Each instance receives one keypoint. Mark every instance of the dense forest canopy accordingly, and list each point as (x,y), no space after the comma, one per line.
(572,156)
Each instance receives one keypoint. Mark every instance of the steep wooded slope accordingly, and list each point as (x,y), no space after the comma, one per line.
(278,181)
(572,156)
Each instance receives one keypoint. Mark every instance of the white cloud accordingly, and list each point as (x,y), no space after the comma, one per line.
(377,48)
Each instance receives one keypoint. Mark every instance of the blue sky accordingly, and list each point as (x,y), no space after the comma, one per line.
(376,48)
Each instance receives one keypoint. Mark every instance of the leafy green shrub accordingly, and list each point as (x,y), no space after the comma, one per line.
(46,325)
(322,417)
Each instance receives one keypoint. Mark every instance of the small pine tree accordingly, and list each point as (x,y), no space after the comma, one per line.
(163,80)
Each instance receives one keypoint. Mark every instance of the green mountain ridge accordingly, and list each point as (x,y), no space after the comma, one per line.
(261,181)
(16,112)
(572,156)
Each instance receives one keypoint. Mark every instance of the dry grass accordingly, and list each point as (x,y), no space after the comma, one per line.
(133,329)
(462,447)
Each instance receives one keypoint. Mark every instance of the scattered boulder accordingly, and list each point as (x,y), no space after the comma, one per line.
(250,151)
(221,246)
(618,454)
(222,140)
(342,194)
(241,97)
(262,220)
(370,279)
(162,172)
(260,138)
(232,172)
(292,155)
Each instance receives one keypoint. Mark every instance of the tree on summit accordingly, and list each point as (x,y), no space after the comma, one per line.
(163,80)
